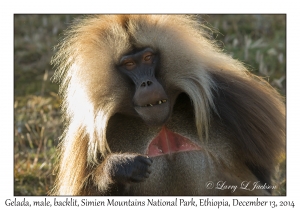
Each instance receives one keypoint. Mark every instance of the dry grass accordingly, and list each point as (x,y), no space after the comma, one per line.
(258,40)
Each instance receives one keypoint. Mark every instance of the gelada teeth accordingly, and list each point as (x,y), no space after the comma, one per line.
(159,102)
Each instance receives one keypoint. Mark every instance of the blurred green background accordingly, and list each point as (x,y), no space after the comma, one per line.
(259,41)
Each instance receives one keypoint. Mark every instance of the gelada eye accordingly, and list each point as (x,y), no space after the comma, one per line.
(148,57)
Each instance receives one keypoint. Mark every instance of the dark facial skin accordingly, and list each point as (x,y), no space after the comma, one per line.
(150,99)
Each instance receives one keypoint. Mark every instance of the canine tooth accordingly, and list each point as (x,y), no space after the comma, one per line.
(159,102)
(150,105)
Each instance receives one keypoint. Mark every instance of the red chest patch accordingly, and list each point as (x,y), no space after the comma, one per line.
(167,142)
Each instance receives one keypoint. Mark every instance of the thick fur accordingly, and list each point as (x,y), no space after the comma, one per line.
(238,119)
